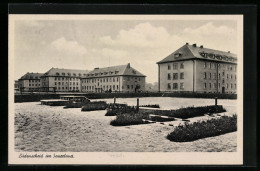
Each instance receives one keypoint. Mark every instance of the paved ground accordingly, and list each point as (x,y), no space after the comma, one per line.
(45,128)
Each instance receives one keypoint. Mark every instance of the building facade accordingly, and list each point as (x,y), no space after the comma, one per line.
(62,80)
(198,69)
(122,78)
(30,82)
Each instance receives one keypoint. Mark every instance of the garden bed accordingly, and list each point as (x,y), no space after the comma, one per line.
(129,119)
(98,105)
(203,129)
(188,112)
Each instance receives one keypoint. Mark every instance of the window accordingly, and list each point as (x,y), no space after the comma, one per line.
(169,67)
(169,86)
(55,83)
(231,68)
(175,66)
(205,75)
(218,75)
(139,79)
(215,85)
(223,73)
(227,76)
(122,87)
(63,73)
(205,64)
(235,77)
(132,86)
(205,85)
(117,87)
(169,76)
(223,81)
(128,86)
(231,76)
(227,85)
(175,86)
(210,85)
(117,79)
(113,87)
(182,65)
(214,76)
(209,75)
(113,79)
(218,85)
(57,73)
(231,85)
(175,76)
(182,86)
(235,86)
(210,65)
(182,75)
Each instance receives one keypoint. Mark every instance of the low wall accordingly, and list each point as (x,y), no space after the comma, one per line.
(38,97)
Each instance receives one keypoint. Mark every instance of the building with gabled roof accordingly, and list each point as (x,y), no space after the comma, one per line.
(60,79)
(121,78)
(30,82)
(194,68)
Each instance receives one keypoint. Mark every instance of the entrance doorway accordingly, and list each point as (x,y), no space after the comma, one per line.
(223,89)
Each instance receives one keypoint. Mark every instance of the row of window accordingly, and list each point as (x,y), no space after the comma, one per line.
(62,83)
(223,66)
(231,86)
(175,76)
(66,88)
(175,66)
(231,76)
(175,86)
(114,87)
(70,74)
(34,84)
(34,81)
(94,80)
(62,78)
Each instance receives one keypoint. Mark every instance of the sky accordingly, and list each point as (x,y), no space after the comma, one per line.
(87,44)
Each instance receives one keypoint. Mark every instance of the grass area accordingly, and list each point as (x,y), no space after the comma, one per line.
(203,129)
(151,106)
(98,105)
(129,119)
(188,112)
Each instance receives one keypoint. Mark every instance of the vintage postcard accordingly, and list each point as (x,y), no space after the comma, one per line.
(126,89)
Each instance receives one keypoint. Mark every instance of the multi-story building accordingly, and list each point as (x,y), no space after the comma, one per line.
(62,80)
(16,85)
(198,69)
(30,82)
(122,78)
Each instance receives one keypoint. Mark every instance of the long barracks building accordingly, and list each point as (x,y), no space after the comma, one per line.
(121,78)
(198,69)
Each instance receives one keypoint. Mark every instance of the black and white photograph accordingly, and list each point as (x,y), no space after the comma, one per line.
(125,89)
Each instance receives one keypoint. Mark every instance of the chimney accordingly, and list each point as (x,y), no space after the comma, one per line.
(187,43)
(201,46)
(128,65)
(194,45)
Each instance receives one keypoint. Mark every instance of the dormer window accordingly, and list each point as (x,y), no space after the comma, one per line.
(134,72)
(96,73)
(57,73)
(179,54)
(116,72)
(74,74)
(63,73)
(203,54)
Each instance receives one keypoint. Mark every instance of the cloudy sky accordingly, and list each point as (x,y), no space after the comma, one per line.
(86,44)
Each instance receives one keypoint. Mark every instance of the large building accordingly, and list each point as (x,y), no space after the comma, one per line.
(122,78)
(30,82)
(62,80)
(198,69)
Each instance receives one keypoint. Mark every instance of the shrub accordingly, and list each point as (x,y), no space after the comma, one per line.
(151,106)
(160,119)
(98,105)
(129,119)
(203,129)
(188,112)
(120,109)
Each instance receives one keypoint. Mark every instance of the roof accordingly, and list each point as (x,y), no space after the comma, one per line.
(198,52)
(31,76)
(66,72)
(119,70)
